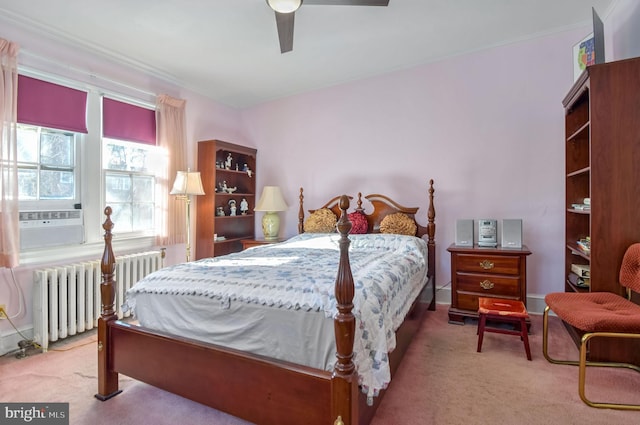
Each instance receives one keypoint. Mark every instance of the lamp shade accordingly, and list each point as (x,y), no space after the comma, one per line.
(284,6)
(187,183)
(271,200)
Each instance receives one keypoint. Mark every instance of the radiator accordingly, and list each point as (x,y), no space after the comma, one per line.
(66,298)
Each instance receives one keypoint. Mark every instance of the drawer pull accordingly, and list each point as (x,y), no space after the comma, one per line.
(486,264)
(486,284)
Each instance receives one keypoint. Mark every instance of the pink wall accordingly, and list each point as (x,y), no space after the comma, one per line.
(622,32)
(487,126)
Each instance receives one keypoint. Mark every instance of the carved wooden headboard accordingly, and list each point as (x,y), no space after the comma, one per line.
(382,207)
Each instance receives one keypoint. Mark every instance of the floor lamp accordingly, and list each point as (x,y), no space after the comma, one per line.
(187,183)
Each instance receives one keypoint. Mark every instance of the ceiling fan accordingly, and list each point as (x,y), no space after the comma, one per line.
(285,11)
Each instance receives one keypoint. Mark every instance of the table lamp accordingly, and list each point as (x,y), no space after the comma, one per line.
(271,202)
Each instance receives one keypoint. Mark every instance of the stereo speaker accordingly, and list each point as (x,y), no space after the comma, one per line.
(464,232)
(512,233)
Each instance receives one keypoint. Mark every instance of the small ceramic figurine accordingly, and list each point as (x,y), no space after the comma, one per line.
(220,211)
(225,189)
(244,206)
(232,206)
(228,162)
(249,171)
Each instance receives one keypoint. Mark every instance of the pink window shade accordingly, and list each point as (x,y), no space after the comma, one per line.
(51,105)
(124,121)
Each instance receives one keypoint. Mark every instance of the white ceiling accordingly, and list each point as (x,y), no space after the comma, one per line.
(228,49)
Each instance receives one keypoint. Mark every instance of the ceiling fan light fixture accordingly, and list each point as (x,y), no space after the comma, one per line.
(284,6)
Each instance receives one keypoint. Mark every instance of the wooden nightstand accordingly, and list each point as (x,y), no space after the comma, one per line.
(485,272)
(248,243)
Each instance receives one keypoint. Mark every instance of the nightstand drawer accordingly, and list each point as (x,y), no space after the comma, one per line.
(494,264)
(489,285)
(249,243)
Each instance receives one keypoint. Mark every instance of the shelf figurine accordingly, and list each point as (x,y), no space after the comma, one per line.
(220,211)
(226,189)
(228,161)
(232,206)
(244,206)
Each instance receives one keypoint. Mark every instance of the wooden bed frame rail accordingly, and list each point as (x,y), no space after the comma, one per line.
(256,388)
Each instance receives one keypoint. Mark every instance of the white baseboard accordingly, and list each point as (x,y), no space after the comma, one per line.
(535,303)
(9,340)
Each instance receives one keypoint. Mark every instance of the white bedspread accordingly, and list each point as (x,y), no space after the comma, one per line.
(389,272)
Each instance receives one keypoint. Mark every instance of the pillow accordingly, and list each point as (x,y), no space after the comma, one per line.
(359,223)
(321,221)
(398,223)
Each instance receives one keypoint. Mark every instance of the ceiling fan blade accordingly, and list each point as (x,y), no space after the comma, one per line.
(284,21)
(348,2)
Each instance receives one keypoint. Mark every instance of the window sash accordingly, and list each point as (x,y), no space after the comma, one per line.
(47,174)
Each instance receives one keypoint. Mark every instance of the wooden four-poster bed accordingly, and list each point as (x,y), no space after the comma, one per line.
(256,387)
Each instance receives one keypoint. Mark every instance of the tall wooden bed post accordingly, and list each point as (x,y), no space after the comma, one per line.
(344,380)
(107,379)
(431,241)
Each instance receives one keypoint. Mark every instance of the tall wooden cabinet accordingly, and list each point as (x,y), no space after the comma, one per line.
(602,138)
(222,164)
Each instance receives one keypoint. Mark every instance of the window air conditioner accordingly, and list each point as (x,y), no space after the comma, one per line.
(40,229)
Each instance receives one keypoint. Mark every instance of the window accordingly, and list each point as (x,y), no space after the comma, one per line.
(51,122)
(74,151)
(130,170)
(47,164)
(130,160)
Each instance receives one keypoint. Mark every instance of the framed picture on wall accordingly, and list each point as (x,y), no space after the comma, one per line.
(583,55)
(589,50)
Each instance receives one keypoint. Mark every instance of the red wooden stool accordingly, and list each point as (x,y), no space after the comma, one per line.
(501,310)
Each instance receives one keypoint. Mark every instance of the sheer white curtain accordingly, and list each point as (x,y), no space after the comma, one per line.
(9,230)
(172,136)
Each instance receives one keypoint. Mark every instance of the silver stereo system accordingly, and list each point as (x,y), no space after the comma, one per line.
(511,233)
(464,232)
(488,232)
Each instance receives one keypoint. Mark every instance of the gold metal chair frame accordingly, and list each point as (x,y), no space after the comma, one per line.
(583,363)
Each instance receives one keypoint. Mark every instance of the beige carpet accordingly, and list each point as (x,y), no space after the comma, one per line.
(443,380)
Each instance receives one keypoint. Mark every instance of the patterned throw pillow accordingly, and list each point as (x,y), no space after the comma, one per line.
(321,221)
(398,223)
(359,223)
